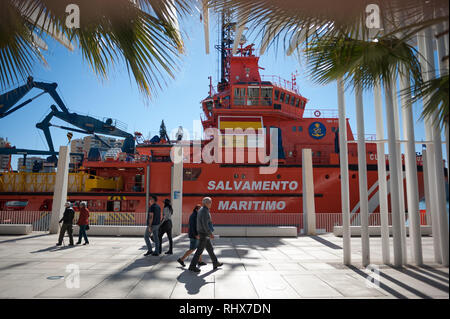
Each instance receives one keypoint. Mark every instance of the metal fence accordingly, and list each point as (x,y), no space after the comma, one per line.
(324,221)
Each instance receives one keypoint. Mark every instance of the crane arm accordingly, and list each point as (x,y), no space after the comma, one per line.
(10,98)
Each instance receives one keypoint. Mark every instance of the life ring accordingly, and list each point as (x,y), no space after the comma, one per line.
(317,113)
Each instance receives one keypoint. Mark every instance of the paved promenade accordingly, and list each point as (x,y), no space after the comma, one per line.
(114,267)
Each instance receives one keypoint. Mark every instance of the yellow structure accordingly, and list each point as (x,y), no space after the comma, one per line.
(44,182)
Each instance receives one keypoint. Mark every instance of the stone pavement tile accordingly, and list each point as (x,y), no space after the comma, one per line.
(350,286)
(311,286)
(257,266)
(241,286)
(155,285)
(25,289)
(287,266)
(70,290)
(115,286)
(271,285)
(316,266)
(191,285)
(411,283)
(301,257)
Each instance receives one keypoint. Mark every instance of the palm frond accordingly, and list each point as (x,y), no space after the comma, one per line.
(359,62)
(143,34)
(434,94)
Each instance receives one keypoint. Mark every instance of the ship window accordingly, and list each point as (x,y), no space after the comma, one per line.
(282,97)
(266,96)
(253,96)
(292,101)
(297,102)
(294,128)
(277,95)
(239,96)
(277,106)
(300,128)
(191,174)
(302,105)
(287,99)
(333,129)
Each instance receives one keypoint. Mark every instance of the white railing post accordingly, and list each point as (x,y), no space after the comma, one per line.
(309,211)
(382,184)
(412,188)
(398,137)
(430,171)
(343,156)
(60,190)
(438,160)
(393,170)
(362,174)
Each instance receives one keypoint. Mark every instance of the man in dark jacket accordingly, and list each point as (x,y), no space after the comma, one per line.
(153,223)
(67,220)
(204,229)
(193,237)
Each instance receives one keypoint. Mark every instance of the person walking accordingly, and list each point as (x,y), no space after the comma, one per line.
(153,221)
(67,220)
(193,238)
(204,225)
(83,221)
(166,226)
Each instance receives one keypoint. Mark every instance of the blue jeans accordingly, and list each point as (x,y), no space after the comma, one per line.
(155,233)
(82,233)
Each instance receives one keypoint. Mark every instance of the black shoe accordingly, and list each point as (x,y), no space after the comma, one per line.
(148,253)
(155,254)
(78,242)
(58,244)
(169,252)
(201,263)
(181,262)
(70,244)
(217,265)
(195,269)
(86,243)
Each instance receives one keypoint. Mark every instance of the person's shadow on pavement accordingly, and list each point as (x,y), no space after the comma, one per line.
(193,282)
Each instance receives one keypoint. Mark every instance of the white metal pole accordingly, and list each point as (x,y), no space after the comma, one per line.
(398,137)
(309,211)
(362,174)
(382,185)
(430,172)
(431,216)
(343,156)
(438,162)
(443,69)
(412,188)
(393,170)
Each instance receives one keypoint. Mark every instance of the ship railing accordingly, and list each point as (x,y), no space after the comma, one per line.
(280,82)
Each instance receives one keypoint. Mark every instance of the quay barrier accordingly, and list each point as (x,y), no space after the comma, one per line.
(325,222)
(15,229)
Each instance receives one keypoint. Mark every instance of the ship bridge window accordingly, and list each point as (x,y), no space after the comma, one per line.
(253,96)
(287,99)
(292,101)
(277,95)
(282,97)
(239,96)
(297,102)
(300,128)
(302,104)
(266,96)
(294,128)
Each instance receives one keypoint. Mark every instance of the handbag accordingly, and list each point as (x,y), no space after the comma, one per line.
(87,227)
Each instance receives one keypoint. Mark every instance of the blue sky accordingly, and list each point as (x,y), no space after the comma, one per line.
(178,103)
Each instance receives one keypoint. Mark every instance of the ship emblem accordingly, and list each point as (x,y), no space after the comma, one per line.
(317,130)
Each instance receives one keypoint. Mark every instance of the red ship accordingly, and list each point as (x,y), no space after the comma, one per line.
(242,192)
